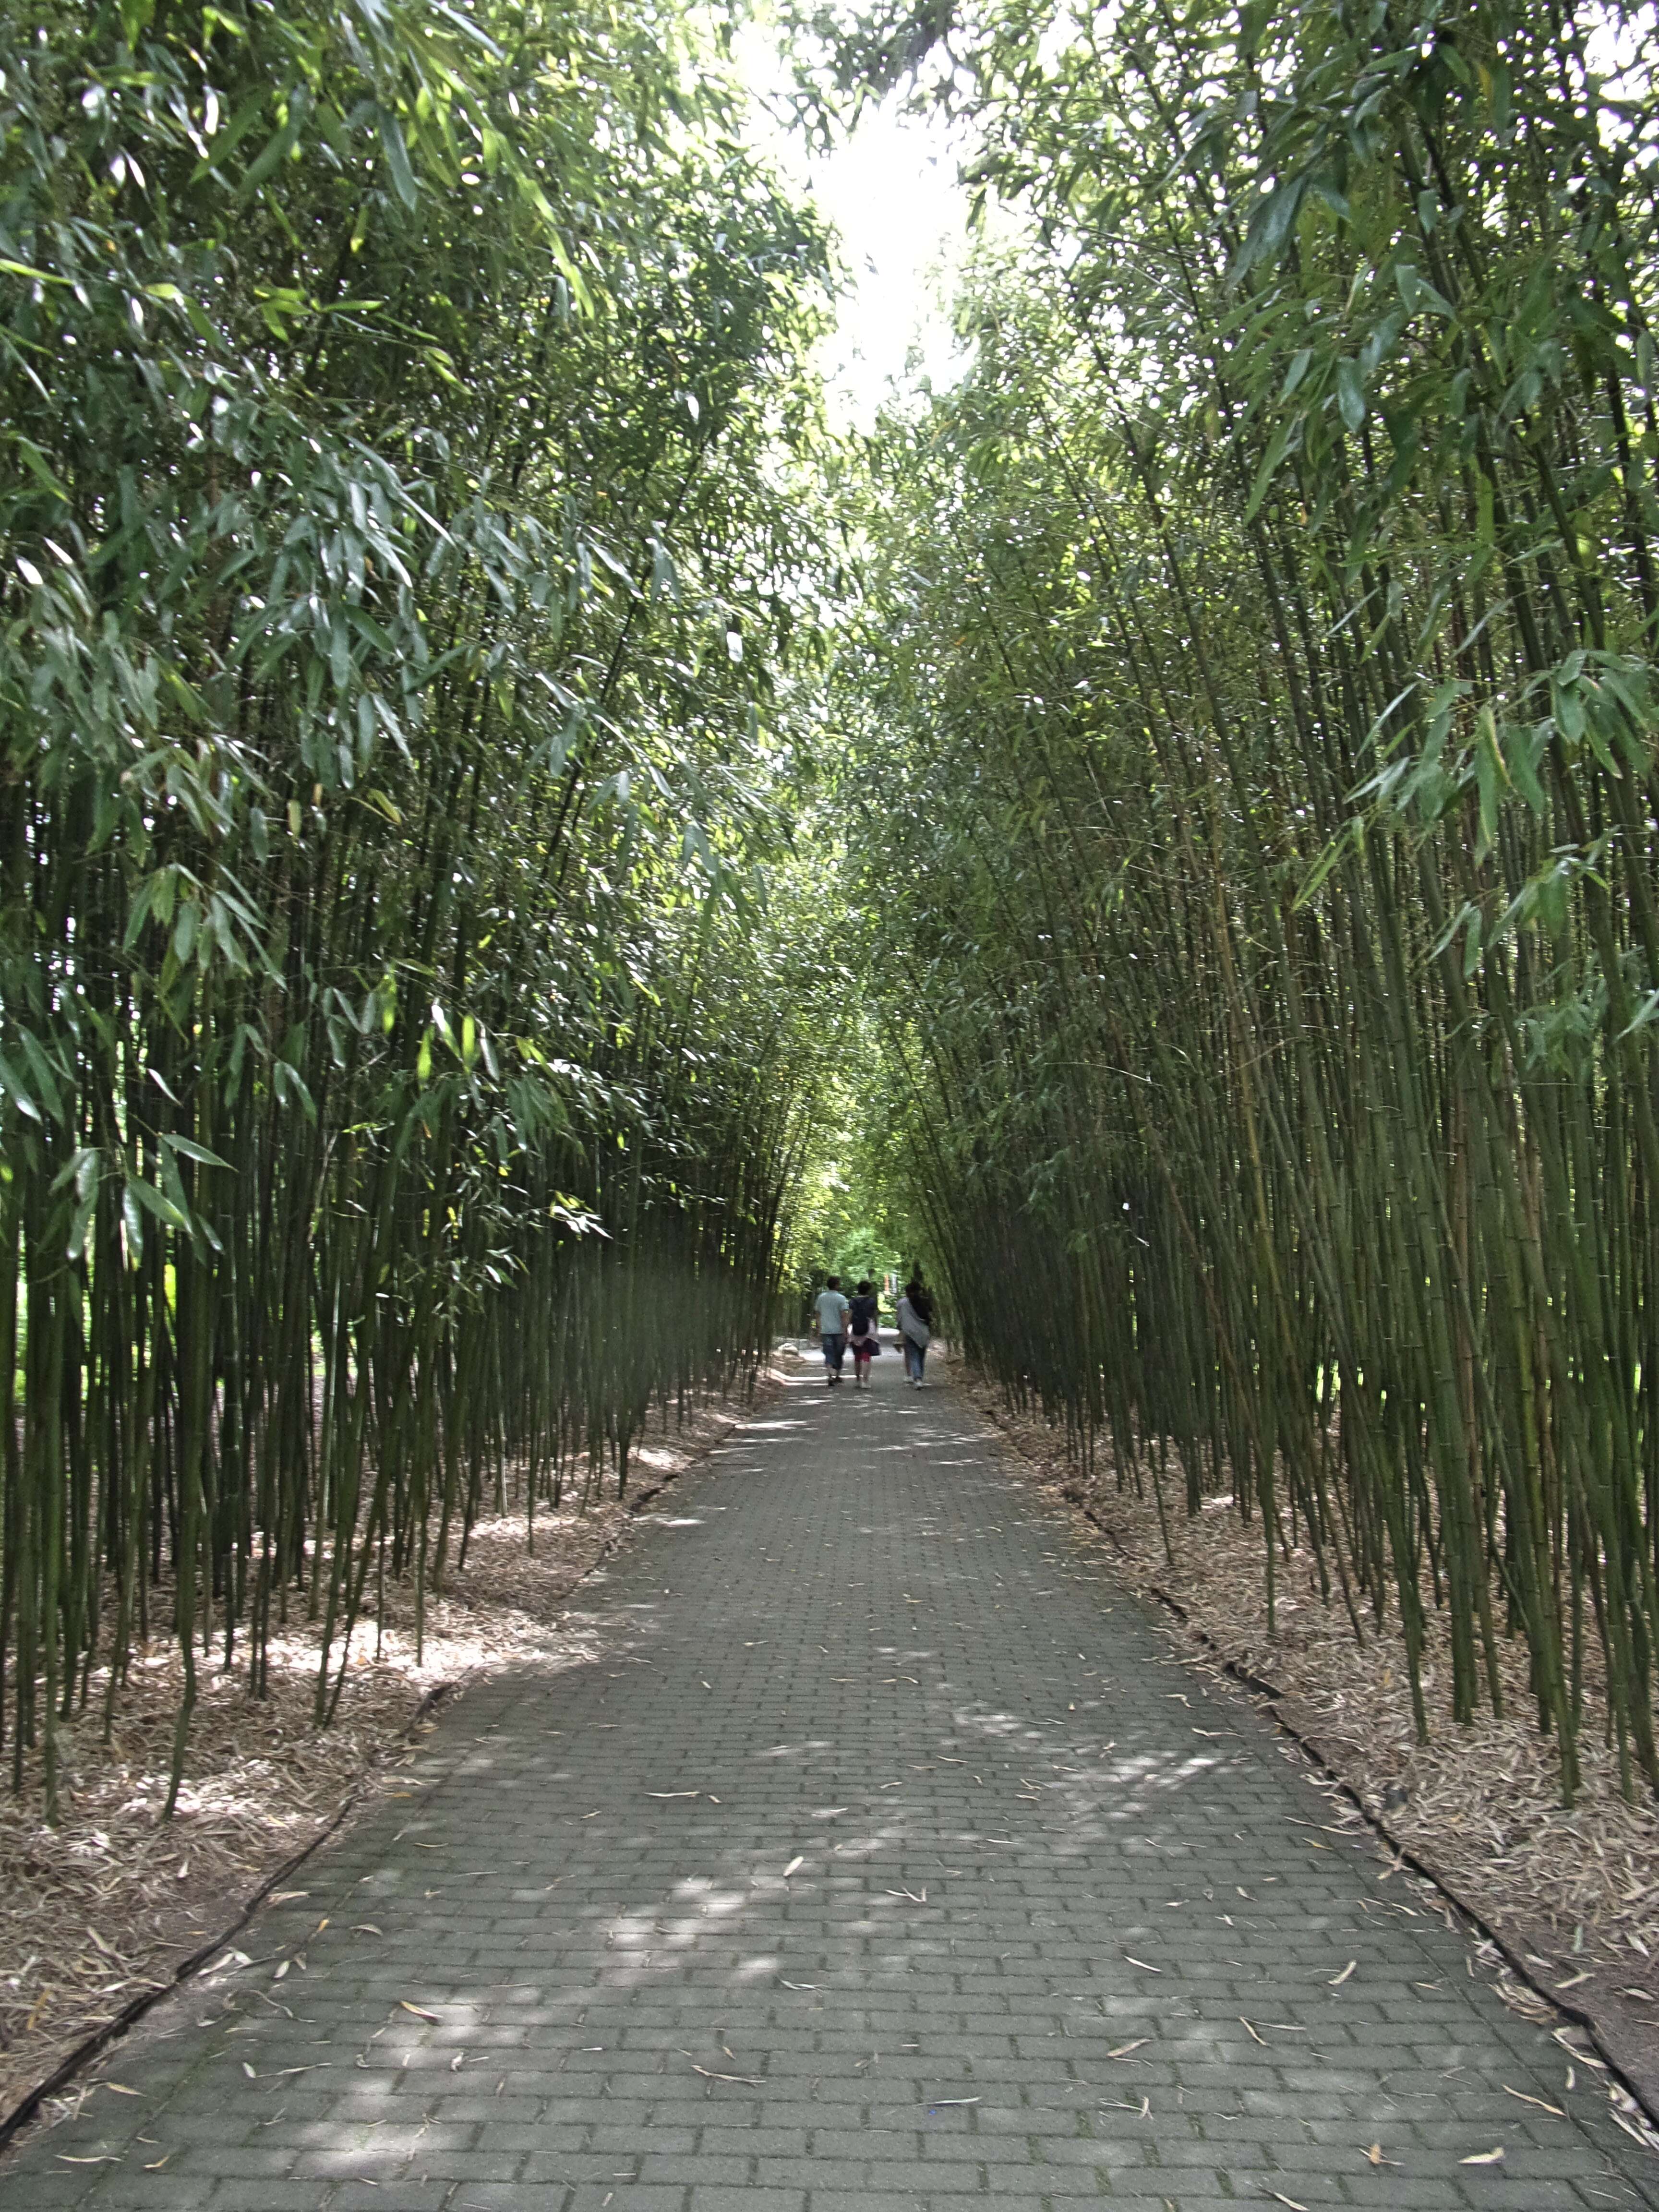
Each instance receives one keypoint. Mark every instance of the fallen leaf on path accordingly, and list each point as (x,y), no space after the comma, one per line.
(1628,2114)
(419,2011)
(797,1985)
(939,2103)
(1494,2157)
(1374,2154)
(155,2166)
(367,1928)
(120,2088)
(673,1793)
(791,1867)
(1251,2032)
(748,2081)
(1124,2049)
(1520,2097)
(1141,1963)
(1279,2197)
(1337,1981)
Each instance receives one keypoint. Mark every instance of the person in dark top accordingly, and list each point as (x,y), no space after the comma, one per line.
(861,1323)
(915,1321)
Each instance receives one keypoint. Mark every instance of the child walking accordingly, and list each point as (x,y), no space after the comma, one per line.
(861,1320)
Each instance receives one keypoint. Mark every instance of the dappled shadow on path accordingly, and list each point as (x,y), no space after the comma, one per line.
(880,1854)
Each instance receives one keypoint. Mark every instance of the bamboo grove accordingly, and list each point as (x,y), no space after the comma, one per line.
(398,1079)
(1257,659)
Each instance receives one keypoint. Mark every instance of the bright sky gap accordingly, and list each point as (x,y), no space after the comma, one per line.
(890,191)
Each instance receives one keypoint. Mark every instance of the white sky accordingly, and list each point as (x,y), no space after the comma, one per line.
(891,192)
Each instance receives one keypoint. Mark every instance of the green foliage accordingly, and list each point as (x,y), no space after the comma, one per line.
(399,562)
(442,857)
(1257,653)
(847,1214)
(842,1220)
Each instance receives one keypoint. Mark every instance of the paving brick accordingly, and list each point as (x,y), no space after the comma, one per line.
(265,2195)
(419,2194)
(873,1601)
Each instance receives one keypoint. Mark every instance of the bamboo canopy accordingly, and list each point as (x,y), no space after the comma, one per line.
(459,708)
(1270,612)
(391,1086)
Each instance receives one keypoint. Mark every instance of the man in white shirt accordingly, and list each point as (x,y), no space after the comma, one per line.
(833,1310)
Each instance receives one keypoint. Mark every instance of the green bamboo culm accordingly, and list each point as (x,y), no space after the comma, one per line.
(1256,662)
(392,1086)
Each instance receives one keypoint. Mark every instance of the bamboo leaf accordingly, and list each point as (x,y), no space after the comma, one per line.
(1350,394)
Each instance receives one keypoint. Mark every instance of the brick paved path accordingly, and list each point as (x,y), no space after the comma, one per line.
(886,1860)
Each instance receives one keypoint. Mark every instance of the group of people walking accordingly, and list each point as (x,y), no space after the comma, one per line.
(844,1323)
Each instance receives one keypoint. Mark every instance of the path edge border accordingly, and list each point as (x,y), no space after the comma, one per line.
(133,2011)
(27,2107)
(1635,2082)
(1646,2096)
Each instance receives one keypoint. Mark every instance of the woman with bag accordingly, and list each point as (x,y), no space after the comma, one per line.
(915,1321)
(861,1321)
